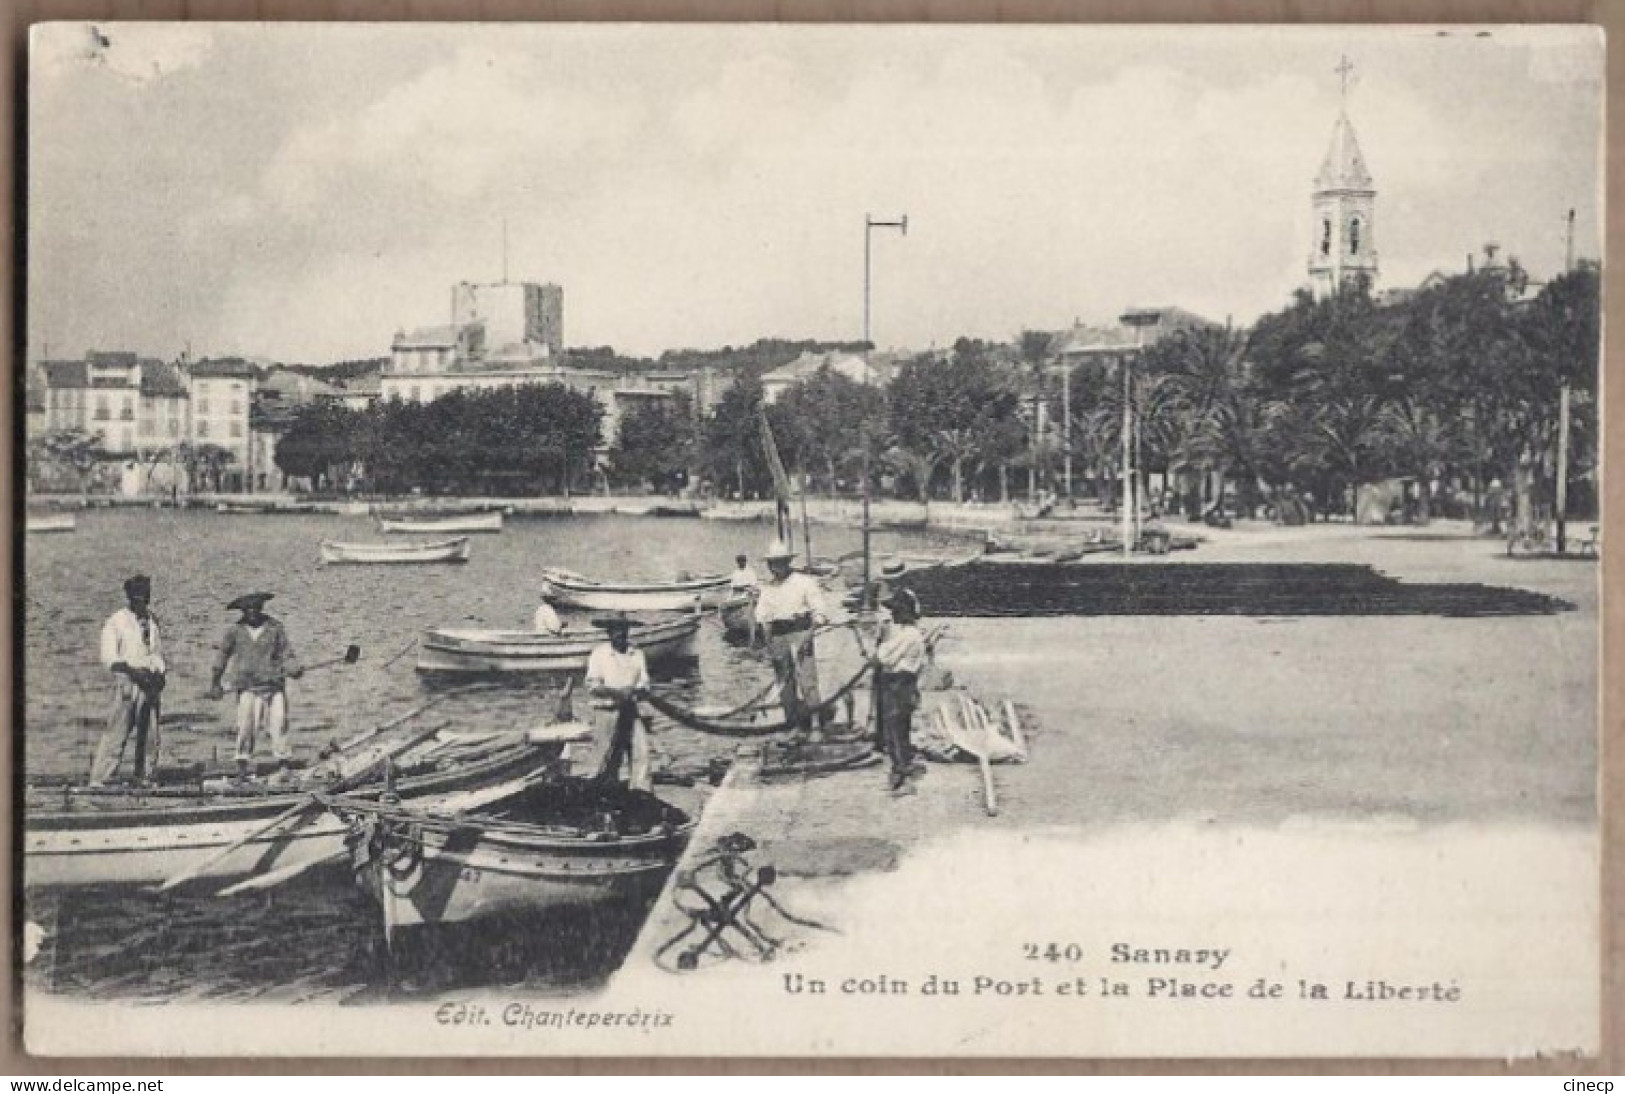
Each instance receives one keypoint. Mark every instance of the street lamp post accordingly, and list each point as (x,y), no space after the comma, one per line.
(869,226)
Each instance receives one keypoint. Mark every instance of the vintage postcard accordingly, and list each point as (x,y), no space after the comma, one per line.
(747,540)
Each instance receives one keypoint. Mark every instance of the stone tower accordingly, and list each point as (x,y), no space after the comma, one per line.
(1344,203)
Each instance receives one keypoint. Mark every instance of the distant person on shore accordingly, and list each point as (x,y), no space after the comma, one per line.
(132,651)
(899,658)
(617,677)
(546,620)
(789,606)
(743,578)
(257,658)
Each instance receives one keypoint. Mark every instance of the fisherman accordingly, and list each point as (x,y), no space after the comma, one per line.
(789,606)
(132,651)
(260,658)
(546,620)
(743,578)
(898,660)
(617,677)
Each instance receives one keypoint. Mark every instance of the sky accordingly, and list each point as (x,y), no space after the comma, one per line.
(302,192)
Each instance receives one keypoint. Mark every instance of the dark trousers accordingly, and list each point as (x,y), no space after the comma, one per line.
(898,694)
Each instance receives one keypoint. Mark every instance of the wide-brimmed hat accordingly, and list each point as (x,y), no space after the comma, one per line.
(611,620)
(778,550)
(249,601)
(137,583)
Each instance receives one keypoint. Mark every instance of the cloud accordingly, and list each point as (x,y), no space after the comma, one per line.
(477,124)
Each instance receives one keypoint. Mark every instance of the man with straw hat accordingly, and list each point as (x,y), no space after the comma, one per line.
(132,652)
(617,677)
(789,606)
(259,658)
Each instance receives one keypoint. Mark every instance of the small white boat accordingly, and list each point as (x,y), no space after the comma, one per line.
(736,512)
(449,550)
(469,650)
(561,844)
(571,590)
(490,521)
(42,523)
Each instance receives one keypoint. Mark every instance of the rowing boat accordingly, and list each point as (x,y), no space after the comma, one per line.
(571,590)
(470,650)
(74,837)
(449,550)
(566,843)
(489,521)
(39,524)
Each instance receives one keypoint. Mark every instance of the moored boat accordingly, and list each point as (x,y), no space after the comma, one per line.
(450,550)
(571,590)
(42,523)
(566,843)
(74,836)
(470,650)
(489,521)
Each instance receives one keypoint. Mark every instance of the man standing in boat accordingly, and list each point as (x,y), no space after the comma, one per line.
(257,658)
(789,606)
(132,651)
(743,579)
(617,677)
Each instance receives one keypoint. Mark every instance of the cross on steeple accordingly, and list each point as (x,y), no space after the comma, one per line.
(1344,67)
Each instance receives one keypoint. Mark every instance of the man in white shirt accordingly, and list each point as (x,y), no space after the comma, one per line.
(617,677)
(743,578)
(132,651)
(789,606)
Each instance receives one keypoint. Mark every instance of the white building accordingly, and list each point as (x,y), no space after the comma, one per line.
(850,365)
(221,392)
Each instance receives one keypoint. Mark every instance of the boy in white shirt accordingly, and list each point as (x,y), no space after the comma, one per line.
(898,661)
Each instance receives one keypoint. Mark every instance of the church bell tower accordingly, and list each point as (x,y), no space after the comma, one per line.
(1343,205)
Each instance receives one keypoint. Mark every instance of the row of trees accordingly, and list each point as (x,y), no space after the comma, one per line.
(71,459)
(1457,384)
(512,441)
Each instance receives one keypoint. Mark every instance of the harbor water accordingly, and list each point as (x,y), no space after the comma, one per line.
(318,937)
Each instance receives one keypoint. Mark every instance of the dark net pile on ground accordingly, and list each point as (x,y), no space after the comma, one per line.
(993,589)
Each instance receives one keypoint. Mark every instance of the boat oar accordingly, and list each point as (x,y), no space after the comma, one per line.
(226,852)
(311,802)
(350,656)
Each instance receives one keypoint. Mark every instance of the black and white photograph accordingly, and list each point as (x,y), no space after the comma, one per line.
(752,540)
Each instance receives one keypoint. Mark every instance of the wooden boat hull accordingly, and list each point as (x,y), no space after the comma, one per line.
(37,526)
(452,550)
(425,876)
(487,522)
(470,651)
(574,591)
(145,845)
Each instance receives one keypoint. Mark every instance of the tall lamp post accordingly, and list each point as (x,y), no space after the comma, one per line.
(1139,320)
(869,226)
